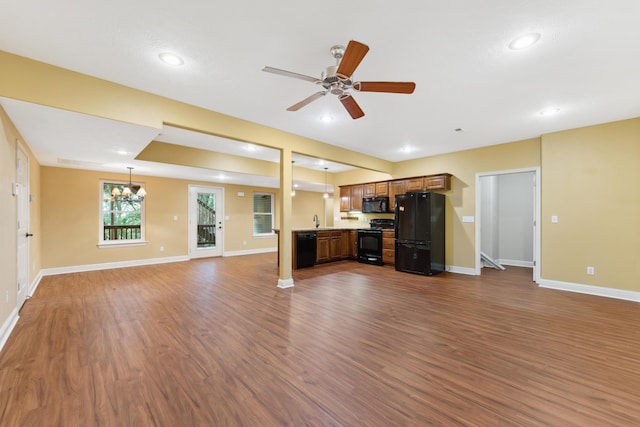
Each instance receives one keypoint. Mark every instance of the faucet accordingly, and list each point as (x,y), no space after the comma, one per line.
(315,218)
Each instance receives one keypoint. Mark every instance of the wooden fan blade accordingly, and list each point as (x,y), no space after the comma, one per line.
(309,100)
(352,106)
(390,87)
(291,74)
(353,55)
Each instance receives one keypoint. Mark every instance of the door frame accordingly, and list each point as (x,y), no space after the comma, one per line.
(536,218)
(194,252)
(22,196)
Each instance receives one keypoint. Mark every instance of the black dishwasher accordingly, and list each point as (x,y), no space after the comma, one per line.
(305,250)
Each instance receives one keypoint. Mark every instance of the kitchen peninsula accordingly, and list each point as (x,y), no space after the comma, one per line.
(312,246)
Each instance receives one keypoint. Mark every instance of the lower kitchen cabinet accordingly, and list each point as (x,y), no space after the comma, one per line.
(388,247)
(324,247)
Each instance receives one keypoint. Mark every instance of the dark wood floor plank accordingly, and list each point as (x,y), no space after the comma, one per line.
(214,342)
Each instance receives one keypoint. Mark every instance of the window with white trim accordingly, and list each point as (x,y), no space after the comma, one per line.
(121,221)
(263,214)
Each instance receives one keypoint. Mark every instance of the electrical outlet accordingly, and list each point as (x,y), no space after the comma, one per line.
(591,271)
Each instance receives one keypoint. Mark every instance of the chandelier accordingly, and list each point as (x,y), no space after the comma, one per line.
(127,194)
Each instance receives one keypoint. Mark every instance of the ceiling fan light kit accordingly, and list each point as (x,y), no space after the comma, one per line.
(336,79)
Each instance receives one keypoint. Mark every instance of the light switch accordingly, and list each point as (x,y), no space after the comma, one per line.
(554,219)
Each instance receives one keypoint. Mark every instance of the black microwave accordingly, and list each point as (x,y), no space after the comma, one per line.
(375,205)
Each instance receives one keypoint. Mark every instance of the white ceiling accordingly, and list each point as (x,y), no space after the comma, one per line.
(585,64)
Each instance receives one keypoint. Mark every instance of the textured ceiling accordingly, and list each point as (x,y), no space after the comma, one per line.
(585,64)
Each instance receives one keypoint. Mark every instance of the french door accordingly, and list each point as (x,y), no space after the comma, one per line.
(206,214)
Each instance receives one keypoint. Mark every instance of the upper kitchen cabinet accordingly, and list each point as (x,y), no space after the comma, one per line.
(357,192)
(396,187)
(351,197)
(437,182)
(415,184)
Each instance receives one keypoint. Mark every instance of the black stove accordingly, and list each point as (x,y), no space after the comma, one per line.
(382,224)
(370,240)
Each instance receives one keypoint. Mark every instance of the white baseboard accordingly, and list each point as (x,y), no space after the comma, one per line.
(108,265)
(285,283)
(8,326)
(250,252)
(34,284)
(591,290)
(516,263)
(461,270)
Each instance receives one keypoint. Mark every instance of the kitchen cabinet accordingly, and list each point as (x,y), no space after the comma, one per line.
(437,182)
(388,247)
(333,245)
(396,187)
(353,244)
(356,197)
(351,197)
(335,250)
(345,198)
(323,253)
(345,244)
(370,189)
(382,189)
(376,189)
(415,184)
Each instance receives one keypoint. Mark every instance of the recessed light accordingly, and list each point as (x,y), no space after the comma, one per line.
(407,149)
(326,118)
(251,147)
(171,59)
(524,41)
(550,111)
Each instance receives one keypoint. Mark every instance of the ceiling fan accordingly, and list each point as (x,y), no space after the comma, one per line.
(337,79)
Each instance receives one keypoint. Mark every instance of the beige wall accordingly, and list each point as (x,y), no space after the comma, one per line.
(463,165)
(9,138)
(8,259)
(590,179)
(71,226)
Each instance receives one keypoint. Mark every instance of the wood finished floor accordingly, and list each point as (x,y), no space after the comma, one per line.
(213,342)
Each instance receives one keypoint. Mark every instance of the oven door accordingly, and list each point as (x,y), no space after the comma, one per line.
(370,246)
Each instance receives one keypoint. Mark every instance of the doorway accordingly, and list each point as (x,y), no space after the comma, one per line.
(22,199)
(206,213)
(507,218)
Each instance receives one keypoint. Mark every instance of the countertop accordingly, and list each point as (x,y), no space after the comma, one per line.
(310,229)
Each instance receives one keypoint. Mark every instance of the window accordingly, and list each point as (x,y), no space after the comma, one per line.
(262,214)
(121,222)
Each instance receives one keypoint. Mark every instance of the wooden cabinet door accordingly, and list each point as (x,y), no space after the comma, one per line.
(353,244)
(334,245)
(323,249)
(415,184)
(382,188)
(388,247)
(438,182)
(369,190)
(345,199)
(345,244)
(395,188)
(356,197)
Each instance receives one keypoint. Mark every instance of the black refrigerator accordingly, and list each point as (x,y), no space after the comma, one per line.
(420,232)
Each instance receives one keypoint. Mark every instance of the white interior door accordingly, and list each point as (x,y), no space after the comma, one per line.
(206,215)
(22,197)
